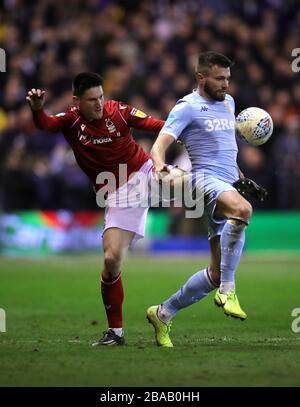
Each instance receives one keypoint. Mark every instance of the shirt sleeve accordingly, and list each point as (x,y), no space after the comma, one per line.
(52,123)
(179,118)
(139,120)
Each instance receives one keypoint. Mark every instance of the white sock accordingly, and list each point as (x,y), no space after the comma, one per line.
(118,331)
(225,288)
(163,314)
(198,286)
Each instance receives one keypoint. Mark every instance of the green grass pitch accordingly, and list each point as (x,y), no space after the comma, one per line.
(53,313)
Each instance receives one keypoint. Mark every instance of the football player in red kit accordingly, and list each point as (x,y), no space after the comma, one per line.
(99,133)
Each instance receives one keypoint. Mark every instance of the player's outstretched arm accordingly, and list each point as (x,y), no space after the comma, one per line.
(36,99)
(139,120)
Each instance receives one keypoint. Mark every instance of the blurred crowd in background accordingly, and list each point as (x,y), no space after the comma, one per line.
(146,51)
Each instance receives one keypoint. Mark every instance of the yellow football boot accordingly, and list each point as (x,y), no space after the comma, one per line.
(230,304)
(162,330)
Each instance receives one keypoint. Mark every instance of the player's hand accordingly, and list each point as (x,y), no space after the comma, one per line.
(174,178)
(161,171)
(36,98)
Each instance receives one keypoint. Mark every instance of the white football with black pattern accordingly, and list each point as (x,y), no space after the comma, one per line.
(254,126)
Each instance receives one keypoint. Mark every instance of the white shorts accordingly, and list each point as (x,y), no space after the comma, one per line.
(130,217)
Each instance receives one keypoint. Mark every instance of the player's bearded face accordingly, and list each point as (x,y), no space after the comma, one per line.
(213,93)
(91,103)
(217,82)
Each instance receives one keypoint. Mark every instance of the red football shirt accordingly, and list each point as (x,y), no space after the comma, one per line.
(101,145)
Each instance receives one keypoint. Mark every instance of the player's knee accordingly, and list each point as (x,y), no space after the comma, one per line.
(243,210)
(112,261)
(247,210)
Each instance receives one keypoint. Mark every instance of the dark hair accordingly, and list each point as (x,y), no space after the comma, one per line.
(210,58)
(84,81)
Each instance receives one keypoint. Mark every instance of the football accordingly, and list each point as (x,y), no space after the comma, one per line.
(254,126)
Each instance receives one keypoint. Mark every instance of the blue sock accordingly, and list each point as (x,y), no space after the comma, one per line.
(232,243)
(197,287)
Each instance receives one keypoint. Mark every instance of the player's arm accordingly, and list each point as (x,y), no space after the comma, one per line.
(139,120)
(158,151)
(36,101)
(149,123)
(178,119)
(241,174)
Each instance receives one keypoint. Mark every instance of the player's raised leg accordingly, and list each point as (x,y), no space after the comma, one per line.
(238,211)
(198,286)
(115,245)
